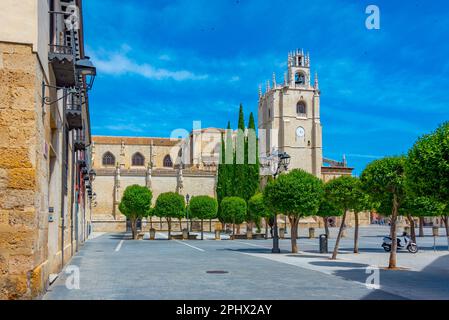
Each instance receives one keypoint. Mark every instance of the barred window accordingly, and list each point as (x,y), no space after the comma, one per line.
(301,108)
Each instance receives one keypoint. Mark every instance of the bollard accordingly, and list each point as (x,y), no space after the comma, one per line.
(311,233)
(282,233)
(217,235)
(249,234)
(152,234)
(185,234)
(436,231)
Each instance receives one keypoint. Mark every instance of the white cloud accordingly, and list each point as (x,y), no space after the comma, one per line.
(118,63)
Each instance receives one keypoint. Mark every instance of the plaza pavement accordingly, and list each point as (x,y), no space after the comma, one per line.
(112,267)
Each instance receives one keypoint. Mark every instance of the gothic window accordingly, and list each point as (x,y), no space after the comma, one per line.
(300,79)
(108,159)
(301,109)
(168,163)
(138,160)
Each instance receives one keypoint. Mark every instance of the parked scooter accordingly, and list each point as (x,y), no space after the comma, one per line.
(404,242)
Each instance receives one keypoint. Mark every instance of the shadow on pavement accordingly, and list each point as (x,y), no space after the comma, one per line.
(430,283)
(338,264)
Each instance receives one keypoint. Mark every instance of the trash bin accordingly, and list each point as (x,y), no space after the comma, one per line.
(323,244)
(152,234)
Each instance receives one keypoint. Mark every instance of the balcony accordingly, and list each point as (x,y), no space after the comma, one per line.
(74,113)
(62,60)
(79,142)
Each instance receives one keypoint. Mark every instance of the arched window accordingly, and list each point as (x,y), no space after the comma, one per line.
(300,79)
(108,159)
(168,163)
(301,109)
(138,160)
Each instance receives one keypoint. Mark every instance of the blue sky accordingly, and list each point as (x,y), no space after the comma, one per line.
(163,64)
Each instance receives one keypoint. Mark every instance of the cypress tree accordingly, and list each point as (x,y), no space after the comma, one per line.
(253,163)
(239,159)
(229,163)
(222,179)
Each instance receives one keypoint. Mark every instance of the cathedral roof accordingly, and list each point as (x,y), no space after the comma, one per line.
(162,142)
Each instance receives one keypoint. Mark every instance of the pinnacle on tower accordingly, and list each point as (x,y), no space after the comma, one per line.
(274,80)
(268,86)
(260,91)
(316,86)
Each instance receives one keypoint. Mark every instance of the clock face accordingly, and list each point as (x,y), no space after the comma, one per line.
(300,132)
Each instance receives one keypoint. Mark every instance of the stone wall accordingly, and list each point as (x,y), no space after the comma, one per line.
(23,174)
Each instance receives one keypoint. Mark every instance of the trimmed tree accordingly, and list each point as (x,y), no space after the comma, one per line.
(328,210)
(420,207)
(252,159)
(233,210)
(135,205)
(203,207)
(427,168)
(341,192)
(296,194)
(258,210)
(384,180)
(362,202)
(170,206)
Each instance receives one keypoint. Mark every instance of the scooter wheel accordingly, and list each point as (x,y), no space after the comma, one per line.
(387,248)
(413,248)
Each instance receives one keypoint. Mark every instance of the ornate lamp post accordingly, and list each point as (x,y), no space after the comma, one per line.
(187,212)
(283,161)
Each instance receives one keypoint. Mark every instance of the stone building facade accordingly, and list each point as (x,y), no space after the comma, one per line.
(289,120)
(44,138)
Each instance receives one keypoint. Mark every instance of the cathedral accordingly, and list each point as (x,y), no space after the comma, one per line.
(288,121)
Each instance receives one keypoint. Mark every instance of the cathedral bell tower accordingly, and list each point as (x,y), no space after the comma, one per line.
(289,116)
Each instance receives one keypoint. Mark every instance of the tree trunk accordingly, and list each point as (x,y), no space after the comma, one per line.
(356,233)
(233,229)
(446,224)
(151,222)
(169,228)
(202,230)
(326,226)
(294,221)
(421,227)
(238,228)
(412,228)
(394,241)
(340,233)
(210,225)
(180,225)
(134,228)
(266,228)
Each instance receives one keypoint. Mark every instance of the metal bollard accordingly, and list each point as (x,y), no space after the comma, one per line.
(324,244)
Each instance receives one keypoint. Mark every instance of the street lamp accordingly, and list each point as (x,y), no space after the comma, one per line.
(86,68)
(282,165)
(187,212)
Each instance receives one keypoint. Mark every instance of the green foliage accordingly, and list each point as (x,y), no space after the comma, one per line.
(136,202)
(342,192)
(427,167)
(328,209)
(297,193)
(257,209)
(203,207)
(252,159)
(422,207)
(233,210)
(170,205)
(238,172)
(384,181)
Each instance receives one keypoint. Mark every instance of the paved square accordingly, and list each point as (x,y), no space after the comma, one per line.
(114,268)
